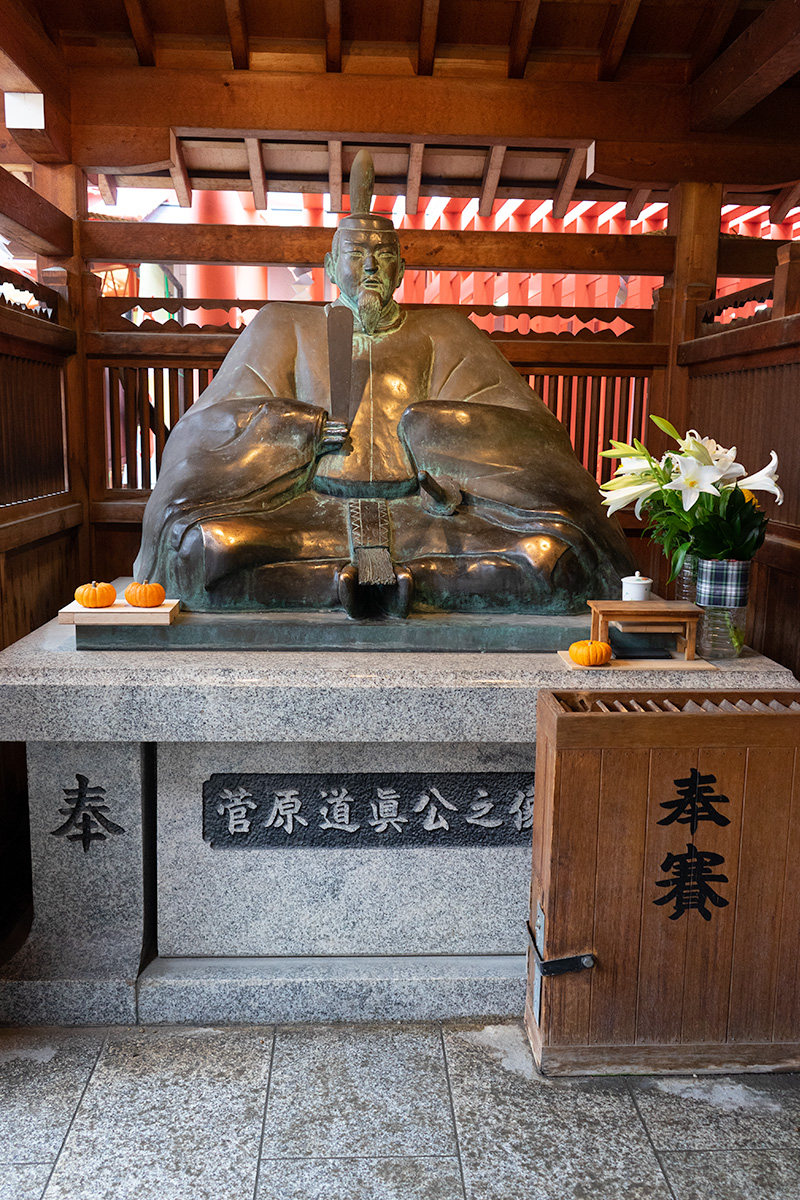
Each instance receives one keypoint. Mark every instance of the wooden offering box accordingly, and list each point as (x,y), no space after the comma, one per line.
(665,900)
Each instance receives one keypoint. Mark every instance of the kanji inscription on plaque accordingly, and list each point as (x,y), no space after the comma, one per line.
(395,810)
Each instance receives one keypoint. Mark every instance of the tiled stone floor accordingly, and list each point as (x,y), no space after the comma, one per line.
(394,1112)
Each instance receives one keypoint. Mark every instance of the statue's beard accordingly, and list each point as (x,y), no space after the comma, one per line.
(370,307)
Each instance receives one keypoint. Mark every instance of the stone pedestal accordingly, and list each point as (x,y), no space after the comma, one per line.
(125,878)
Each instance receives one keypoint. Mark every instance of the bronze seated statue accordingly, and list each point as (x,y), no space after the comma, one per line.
(377,460)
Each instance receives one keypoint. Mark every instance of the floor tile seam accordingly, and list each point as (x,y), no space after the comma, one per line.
(65,1138)
(264,1113)
(787,1149)
(648,1135)
(451,1099)
(355,1157)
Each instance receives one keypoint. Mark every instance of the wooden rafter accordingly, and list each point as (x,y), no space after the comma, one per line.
(178,171)
(414,177)
(428,24)
(335,175)
(28,218)
(25,42)
(50,144)
(522,37)
(142,32)
(491,178)
(636,202)
(333,35)
(615,37)
(255,165)
(237,34)
(446,250)
(574,163)
(712,27)
(786,200)
(758,62)
(107,186)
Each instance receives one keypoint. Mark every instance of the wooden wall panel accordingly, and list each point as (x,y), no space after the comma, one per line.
(35,581)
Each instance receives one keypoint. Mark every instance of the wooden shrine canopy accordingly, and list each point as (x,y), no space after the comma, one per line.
(553,99)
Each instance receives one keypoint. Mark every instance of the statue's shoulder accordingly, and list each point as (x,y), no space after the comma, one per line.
(285,315)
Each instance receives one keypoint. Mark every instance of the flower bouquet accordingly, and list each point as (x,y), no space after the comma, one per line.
(699,506)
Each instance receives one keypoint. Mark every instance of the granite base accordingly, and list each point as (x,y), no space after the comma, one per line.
(284,990)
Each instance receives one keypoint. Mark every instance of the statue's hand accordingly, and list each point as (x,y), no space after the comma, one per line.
(333,435)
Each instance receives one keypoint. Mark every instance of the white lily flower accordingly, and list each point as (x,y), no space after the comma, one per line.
(765,480)
(693,477)
(623,496)
(633,466)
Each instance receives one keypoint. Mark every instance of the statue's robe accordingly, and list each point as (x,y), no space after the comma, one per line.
(247,512)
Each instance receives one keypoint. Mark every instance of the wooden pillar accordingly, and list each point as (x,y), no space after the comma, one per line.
(786,291)
(694,221)
(66,188)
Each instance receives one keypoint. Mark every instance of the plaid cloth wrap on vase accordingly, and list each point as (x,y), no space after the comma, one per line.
(722,583)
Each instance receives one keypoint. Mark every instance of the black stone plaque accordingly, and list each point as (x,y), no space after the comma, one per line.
(393,810)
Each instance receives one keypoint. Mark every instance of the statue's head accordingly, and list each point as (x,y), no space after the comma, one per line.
(365,261)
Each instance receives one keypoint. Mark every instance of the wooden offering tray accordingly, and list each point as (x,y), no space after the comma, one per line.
(119,613)
(647,616)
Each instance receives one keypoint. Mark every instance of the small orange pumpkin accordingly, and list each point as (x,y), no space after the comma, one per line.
(590,654)
(96,595)
(145,595)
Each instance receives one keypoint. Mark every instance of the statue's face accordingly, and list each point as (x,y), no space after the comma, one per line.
(369,262)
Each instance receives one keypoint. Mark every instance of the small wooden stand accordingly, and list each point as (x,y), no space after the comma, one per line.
(647,616)
(119,613)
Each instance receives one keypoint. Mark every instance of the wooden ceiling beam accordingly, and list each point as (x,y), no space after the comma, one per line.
(25,42)
(141,32)
(237,34)
(636,202)
(574,162)
(335,175)
(754,66)
(712,27)
(428,25)
(333,35)
(414,177)
(522,37)
(787,199)
(128,242)
(48,140)
(28,218)
(178,171)
(107,186)
(491,178)
(615,37)
(258,176)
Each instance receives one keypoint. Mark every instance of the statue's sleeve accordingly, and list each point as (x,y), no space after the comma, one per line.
(247,445)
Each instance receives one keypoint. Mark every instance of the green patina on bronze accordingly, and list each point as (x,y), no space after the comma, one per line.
(397,465)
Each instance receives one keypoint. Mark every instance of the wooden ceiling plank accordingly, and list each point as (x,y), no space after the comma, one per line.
(428,25)
(712,27)
(333,35)
(28,218)
(335,175)
(258,176)
(414,177)
(491,178)
(574,163)
(522,37)
(122,241)
(178,171)
(25,42)
(107,186)
(787,199)
(615,37)
(754,66)
(636,202)
(237,34)
(141,32)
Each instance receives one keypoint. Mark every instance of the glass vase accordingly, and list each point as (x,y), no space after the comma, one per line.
(722,591)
